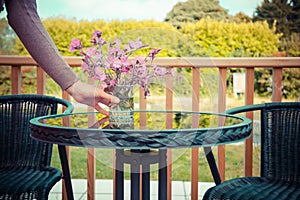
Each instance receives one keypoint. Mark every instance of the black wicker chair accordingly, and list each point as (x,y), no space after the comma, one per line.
(280,157)
(25,171)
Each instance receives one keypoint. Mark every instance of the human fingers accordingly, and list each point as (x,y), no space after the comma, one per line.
(105,98)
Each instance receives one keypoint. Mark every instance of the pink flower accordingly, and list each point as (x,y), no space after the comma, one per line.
(146,92)
(102,41)
(125,69)
(124,59)
(139,60)
(116,67)
(85,67)
(113,82)
(159,71)
(75,45)
(118,42)
(142,72)
(97,38)
(116,52)
(99,75)
(91,51)
(153,53)
(97,34)
(135,44)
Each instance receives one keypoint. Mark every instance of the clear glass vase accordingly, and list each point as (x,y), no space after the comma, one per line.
(121,115)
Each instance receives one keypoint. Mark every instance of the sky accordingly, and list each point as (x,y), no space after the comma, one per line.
(126,9)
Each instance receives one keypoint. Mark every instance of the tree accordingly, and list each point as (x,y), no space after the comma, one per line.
(195,10)
(284,14)
(241,17)
(295,16)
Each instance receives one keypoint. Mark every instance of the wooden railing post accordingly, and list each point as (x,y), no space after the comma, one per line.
(66,122)
(41,80)
(277,85)
(91,171)
(195,124)
(222,108)
(169,120)
(249,99)
(16,79)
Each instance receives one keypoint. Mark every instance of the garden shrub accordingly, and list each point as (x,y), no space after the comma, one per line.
(227,39)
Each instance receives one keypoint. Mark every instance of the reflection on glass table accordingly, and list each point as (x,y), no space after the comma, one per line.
(143,143)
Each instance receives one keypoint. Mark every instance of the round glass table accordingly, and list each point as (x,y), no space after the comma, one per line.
(143,142)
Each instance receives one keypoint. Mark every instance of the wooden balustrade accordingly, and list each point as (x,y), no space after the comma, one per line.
(222,64)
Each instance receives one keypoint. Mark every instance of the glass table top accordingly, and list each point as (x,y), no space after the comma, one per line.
(150,129)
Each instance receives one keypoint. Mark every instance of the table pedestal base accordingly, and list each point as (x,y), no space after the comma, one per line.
(140,161)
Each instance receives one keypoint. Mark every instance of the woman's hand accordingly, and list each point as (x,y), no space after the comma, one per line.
(91,95)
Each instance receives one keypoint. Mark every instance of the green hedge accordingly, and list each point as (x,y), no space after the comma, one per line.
(230,39)
(205,38)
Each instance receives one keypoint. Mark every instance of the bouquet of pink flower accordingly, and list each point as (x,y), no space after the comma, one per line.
(121,66)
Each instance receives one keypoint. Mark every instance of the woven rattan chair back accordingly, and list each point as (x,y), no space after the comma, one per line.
(280,141)
(21,155)
(280,157)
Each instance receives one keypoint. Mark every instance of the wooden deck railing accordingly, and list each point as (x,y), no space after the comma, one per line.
(222,64)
